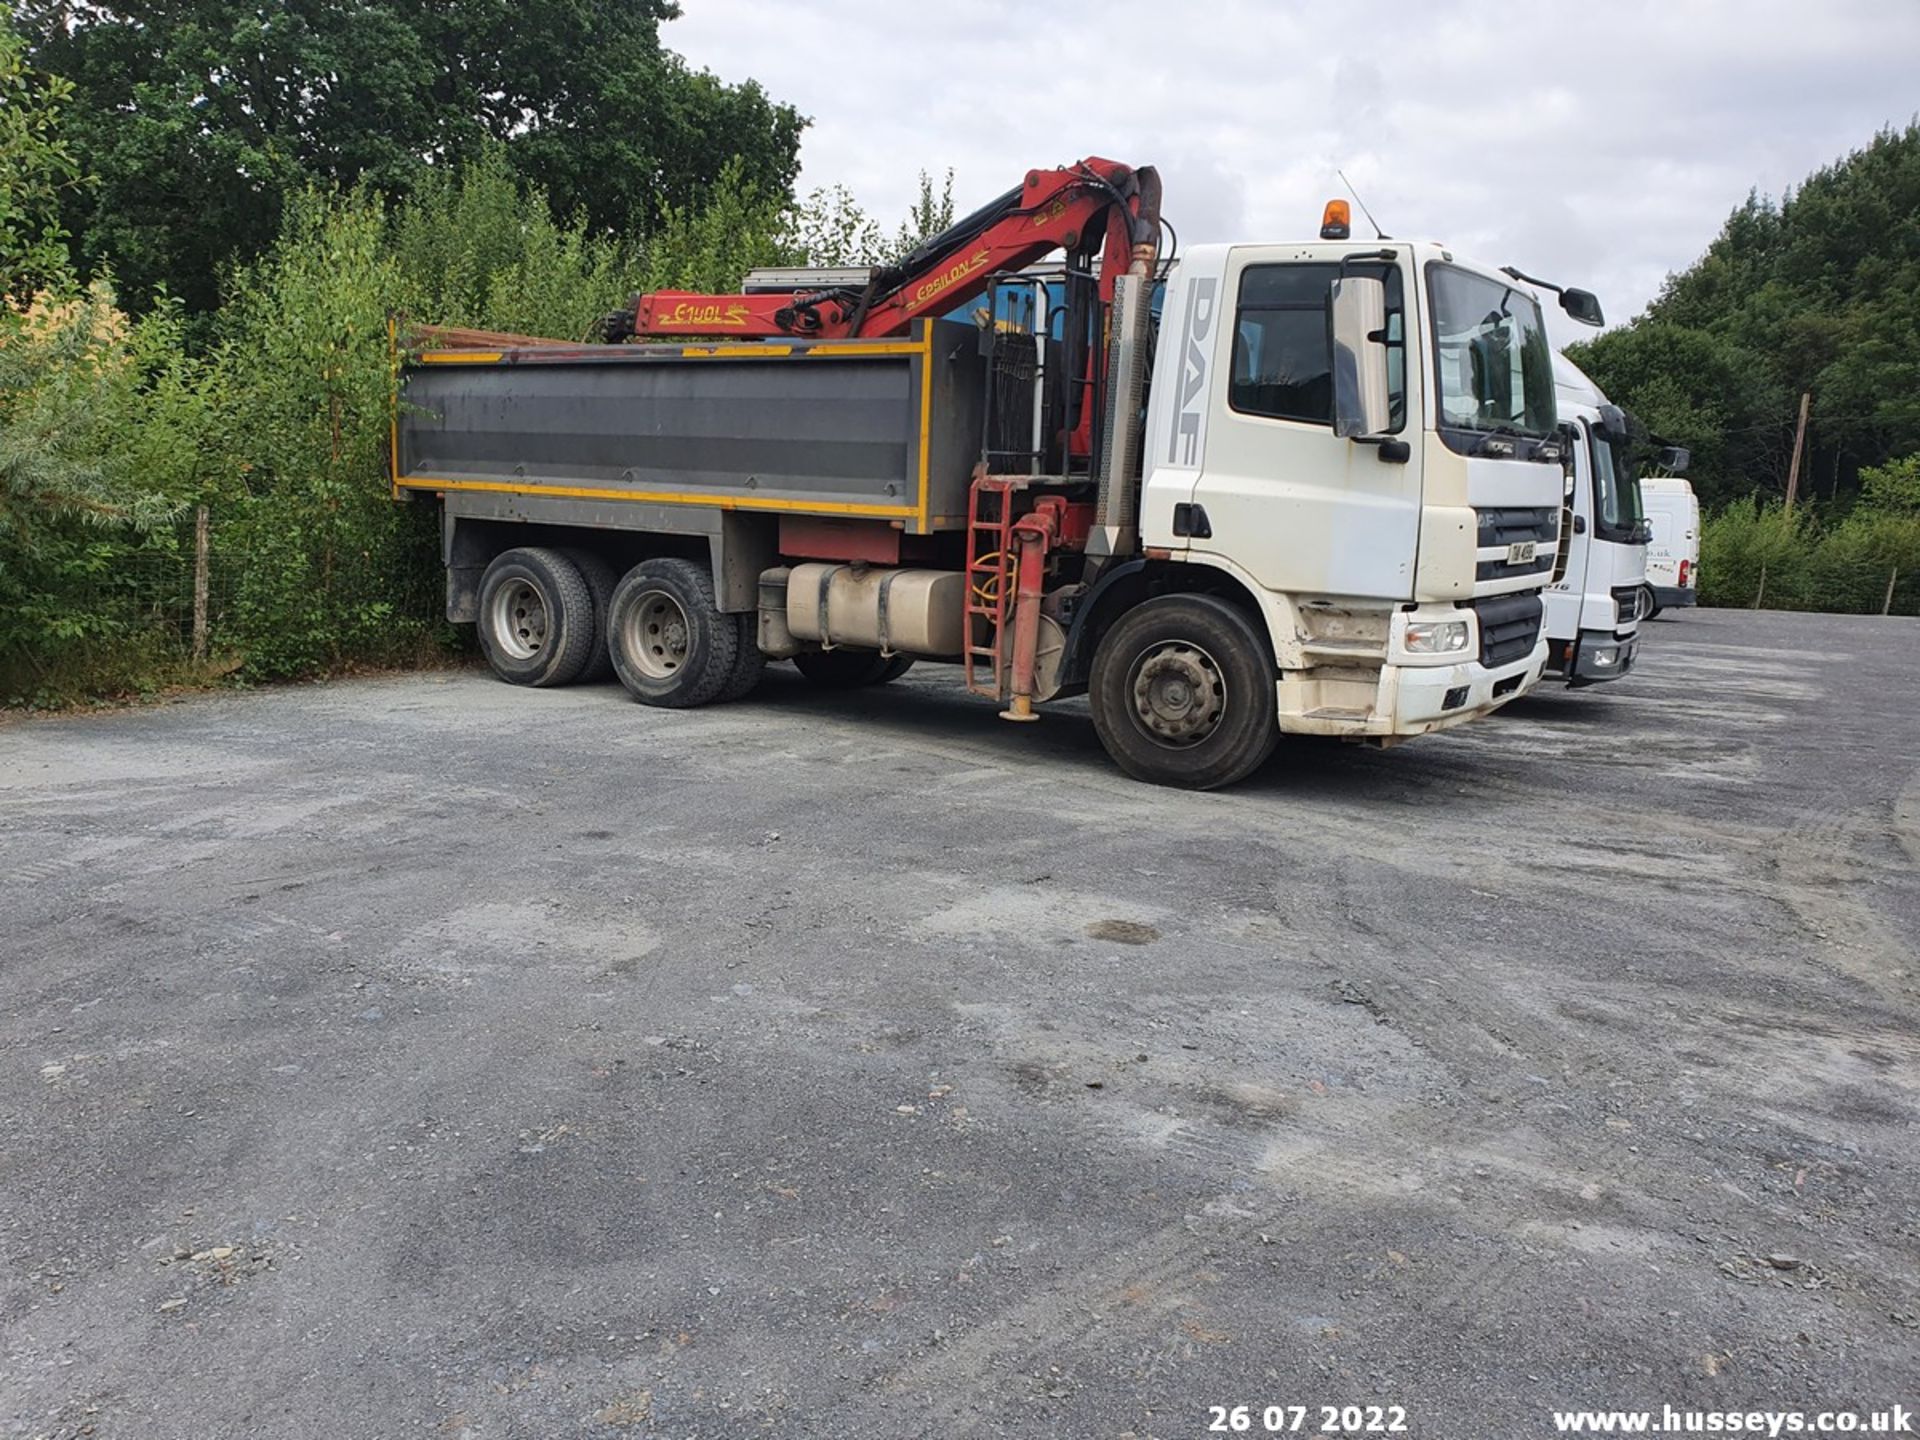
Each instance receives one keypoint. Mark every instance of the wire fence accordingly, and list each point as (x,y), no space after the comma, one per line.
(1844,587)
(196,598)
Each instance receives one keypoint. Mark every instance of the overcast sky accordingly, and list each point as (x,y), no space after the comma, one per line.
(1596,144)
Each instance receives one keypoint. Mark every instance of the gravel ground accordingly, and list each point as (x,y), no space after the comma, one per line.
(421,1056)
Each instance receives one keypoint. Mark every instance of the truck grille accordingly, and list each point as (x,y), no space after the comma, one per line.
(1502,527)
(1626,604)
(1509,628)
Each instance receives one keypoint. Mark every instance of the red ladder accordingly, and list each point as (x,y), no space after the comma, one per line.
(990,565)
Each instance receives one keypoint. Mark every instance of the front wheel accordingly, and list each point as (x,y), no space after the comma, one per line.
(1182,693)
(1649,607)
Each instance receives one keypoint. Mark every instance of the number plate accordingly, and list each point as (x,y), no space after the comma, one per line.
(1521,553)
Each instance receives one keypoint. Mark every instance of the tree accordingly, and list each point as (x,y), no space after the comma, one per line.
(931,214)
(37,169)
(830,227)
(1694,388)
(201,116)
(1817,293)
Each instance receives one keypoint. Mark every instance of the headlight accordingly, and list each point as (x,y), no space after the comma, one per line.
(1436,637)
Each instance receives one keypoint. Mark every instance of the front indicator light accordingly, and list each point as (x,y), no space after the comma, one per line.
(1436,637)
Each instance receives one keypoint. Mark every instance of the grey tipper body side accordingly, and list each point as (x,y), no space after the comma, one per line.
(712,443)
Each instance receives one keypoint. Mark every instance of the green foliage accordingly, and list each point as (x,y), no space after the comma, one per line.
(1753,553)
(334,570)
(1819,293)
(37,169)
(112,430)
(106,435)
(481,249)
(1745,541)
(931,213)
(831,227)
(713,247)
(1893,488)
(201,117)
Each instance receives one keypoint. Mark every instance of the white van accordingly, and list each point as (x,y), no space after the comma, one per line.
(1600,575)
(1673,555)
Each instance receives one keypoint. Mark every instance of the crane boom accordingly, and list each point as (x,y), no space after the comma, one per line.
(1095,205)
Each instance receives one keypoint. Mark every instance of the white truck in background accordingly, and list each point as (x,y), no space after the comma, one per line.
(1673,554)
(1598,595)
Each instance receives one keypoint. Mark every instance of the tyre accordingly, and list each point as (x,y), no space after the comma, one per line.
(601,578)
(536,620)
(1649,607)
(671,645)
(1182,693)
(749,665)
(847,668)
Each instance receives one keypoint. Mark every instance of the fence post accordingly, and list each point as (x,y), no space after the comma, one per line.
(1886,606)
(1761,593)
(200,584)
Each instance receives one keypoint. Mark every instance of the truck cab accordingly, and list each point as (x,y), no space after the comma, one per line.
(1598,595)
(1397,557)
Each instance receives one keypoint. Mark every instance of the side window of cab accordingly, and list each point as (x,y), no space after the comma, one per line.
(1282,362)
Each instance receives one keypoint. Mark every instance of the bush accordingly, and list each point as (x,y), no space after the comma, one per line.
(106,438)
(1747,541)
(112,430)
(1810,563)
(330,569)
(480,249)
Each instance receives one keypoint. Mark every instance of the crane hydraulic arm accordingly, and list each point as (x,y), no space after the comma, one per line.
(1096,205)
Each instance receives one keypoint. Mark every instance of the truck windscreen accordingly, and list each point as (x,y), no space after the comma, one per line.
(1493,363)
(1616,494)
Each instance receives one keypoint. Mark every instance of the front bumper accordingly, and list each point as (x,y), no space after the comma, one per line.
(1600,655)
(1412,700)
(1672,597)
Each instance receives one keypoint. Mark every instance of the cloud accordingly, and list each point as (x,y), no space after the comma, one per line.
(1601,146)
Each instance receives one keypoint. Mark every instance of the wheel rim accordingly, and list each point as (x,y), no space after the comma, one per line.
(1178,694)
(658,635)
(519,619)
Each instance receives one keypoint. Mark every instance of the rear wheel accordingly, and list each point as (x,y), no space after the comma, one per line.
(671,645)
(602,579)
(1182,693)
(846,667)
(749,665)
(536,621)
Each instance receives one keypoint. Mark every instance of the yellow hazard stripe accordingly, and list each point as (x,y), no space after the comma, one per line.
(656,497)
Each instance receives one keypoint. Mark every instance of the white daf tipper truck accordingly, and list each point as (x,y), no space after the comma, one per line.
(1598,594)
(1322,496)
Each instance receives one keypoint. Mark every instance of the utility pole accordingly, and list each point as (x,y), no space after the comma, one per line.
(1799,439)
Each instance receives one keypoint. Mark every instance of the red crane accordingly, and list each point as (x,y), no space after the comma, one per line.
(1096,206)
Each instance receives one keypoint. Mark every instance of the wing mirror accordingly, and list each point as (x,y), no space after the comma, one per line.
(1357,334)
(1582,305)
(1674,459)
